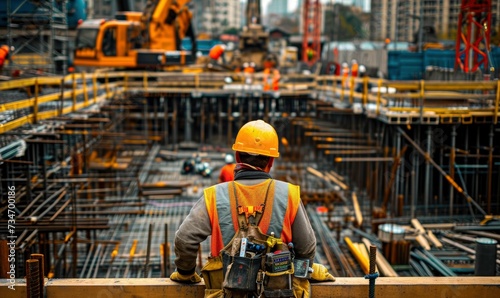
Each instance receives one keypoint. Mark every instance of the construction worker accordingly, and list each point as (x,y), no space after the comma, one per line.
(4,53)
(360,87)
(217,52)
(345,74)
(354,68)
(248,71)
(271,75)
(218,212)
(310,53)
(227,171)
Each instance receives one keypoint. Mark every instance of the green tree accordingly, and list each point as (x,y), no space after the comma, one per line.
(343,24)
(232,31)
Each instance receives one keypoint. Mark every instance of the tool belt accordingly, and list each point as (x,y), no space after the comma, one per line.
(255,264)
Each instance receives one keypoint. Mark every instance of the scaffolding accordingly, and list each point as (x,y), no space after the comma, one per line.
(38,31)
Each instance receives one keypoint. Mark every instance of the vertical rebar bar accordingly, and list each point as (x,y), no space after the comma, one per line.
(41,270)
(452,164)
(148,249)
(32,278)
(490,169)
(373,259)
(175,124)
(165,120)
(166,253)
(229,120)
(427,190)
(188,120)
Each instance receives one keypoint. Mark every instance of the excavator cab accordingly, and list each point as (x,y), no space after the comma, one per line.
(149,39)
(106,43)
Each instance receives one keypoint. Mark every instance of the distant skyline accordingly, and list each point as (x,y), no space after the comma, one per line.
(292,4)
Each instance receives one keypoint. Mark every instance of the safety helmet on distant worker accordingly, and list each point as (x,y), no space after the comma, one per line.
(257,137)
(229,158)
(362,69)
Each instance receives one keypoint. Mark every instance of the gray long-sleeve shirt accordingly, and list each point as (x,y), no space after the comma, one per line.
(196,228)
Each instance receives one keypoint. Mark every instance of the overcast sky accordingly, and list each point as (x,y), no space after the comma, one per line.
(291,4)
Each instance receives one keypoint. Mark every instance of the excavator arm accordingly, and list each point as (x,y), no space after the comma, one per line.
(166,23)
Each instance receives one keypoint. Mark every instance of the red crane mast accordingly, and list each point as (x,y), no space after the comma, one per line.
(474,27)
(311,16)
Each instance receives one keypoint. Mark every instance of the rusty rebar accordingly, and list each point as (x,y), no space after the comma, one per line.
(373,260)
(41,271)
(32,278)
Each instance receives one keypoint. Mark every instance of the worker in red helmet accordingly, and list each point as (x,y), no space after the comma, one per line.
(269,211)
(4,53)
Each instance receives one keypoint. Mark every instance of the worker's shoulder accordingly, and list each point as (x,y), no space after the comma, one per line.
(288,184)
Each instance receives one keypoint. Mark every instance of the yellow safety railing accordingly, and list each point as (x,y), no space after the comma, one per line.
(414,98)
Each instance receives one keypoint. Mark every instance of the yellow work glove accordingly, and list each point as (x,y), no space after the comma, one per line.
(301,288)
(320,273)
(189,279)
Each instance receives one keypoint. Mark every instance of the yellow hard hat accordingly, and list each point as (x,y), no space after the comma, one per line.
(257,137)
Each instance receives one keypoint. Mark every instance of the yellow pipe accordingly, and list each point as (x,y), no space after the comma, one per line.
(94,86)
(106,83)
(363,262)
(351,91)
(85,95)
(132,250)
(342,82)
(13,84)
(379,96)
(365,91)
(74,92)
(35,106)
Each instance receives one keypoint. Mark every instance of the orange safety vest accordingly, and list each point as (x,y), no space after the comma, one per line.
(227,173)
(216,51)
(354,70)
(274,77)
(279,212)
(4,51)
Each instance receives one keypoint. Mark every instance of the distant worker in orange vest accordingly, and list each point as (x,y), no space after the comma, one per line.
(217,52)
(227,171)
(271,75)
(354,68)
(4,53)
(345,74)
(253,198)
(248,70)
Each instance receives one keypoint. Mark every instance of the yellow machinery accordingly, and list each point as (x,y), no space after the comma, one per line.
(151,39)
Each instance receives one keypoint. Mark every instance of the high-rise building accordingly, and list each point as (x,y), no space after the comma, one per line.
(216,16)
(399,19)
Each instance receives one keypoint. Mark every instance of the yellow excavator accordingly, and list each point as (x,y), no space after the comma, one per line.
(137,40)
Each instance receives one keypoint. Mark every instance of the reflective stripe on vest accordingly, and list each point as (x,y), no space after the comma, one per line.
(285,203)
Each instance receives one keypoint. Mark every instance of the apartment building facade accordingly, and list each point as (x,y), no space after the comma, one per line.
(399,19)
